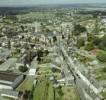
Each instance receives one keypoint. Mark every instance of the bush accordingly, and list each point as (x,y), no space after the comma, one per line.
(89,46)
(79,29)
(104,70)
(102,45)
(102,56)
(23,69)
(60,91)
(96,41)
(55,70)
(91,37)
(40,53)
(80,42)
(104,40)
(54,38)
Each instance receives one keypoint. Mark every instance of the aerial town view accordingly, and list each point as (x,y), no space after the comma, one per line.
(52,50)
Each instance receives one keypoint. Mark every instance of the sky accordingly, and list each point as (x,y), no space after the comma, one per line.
(37,2)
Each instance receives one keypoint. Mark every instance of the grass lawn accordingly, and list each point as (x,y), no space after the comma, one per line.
(35,15)
(46,65)
(104,94)
(39,91)
(43,91)
(45,68)
(69,93)
(27,84)
(50,92)
(100,74)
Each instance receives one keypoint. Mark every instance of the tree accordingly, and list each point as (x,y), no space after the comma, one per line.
(40,53)
(96,41)
(43,27)
(60,92)
(9,44)
(91,37)
(89,46)
(26,95)
(80,42)
(1,61)
(102,44)
(79,29)
(104,69)
(22,27)
(54,38)
(11,17)
(23,68)
(46,52)
(102,56)
(47,30)
(63,36)
(39,59)
(55,70)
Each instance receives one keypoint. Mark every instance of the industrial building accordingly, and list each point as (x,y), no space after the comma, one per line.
(9,80)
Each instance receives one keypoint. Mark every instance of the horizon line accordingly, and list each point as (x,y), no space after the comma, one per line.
(32,5)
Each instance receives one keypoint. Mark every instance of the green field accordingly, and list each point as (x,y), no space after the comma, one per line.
(67,93)
(43,90)
(36,16)
(27,84)
(100,74)
(104,94)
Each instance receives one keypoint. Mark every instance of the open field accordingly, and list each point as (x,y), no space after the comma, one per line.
(66,93)
(27,84)
(43,90)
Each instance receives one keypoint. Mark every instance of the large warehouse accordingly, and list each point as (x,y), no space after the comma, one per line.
(10,80)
